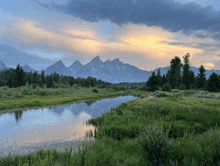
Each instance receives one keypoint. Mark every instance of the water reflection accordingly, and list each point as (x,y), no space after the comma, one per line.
(18,115)
(47,125)
(89,102)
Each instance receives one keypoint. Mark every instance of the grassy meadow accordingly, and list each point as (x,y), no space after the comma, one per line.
(158,128)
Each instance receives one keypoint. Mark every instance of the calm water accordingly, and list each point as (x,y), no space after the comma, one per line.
(57,127)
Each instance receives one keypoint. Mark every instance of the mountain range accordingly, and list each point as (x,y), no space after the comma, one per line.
(114,71)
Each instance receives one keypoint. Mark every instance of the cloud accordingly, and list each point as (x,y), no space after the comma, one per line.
(169,15)
(146,41)
(31,34)
(134,44)
(209,66)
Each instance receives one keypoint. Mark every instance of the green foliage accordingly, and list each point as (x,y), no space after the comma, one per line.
(17,94)
(181,129)
(161,95)
(156,145)
(153,83)
(182,87)
(95,90)
(166,87)
(213,83)
(186,75)
(17,77)
(201,79)
(175,72)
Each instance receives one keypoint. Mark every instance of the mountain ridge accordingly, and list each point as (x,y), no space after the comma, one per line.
(114,71)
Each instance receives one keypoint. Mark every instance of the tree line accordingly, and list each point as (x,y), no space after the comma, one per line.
(185,79)
(18,77)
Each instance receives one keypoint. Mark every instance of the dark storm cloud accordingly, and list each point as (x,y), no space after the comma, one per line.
(170,15)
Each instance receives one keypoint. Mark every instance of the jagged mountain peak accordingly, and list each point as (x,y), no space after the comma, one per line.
(116,60)
(26,66)
(59,64)
(96,59)
(76,64)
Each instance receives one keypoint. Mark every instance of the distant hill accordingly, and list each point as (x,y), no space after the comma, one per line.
(3,66)
(25,68)
(12,56)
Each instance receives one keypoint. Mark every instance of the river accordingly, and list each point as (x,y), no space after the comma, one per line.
(56,128)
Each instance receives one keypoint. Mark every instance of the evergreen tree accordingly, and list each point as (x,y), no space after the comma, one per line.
(213,83)
(163,79)
(42,75)
(175,72)
(201,79)
(192,79)
(186,71)
(19,78)
(49,81)
(153,82)
(159,77)
(35,78)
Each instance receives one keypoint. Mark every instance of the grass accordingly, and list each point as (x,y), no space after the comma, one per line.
(26,97)
(172,128)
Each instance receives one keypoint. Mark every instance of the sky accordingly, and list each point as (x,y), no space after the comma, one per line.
(143,33)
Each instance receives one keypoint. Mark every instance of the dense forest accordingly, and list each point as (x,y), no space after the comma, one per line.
(18,77)
(185,79)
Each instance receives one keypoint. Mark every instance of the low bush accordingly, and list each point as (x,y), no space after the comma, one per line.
(156,145)
(166,87)
(161,95)
(95,90)
(182,87)
(17,94)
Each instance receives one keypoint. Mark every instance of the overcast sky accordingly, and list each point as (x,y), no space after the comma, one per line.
(143,33)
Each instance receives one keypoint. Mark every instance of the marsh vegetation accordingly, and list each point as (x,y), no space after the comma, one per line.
(180,127)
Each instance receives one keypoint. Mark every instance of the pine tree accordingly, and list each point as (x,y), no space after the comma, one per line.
(201,79)
(175,72)
(186,71)
(163,80)
(19,78)
(42,75)
(213,83)
(153,82)
(159,77)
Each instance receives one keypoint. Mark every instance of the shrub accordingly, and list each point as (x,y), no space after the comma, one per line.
(95,90)
(43,92)
(166,87)
(37,91)
(76,86)
(161,95)
(188,92)
(209,96)
(17,94)
(1,93)
(119,111)
(9,92)
(25,91)
(156,145)
(182,87)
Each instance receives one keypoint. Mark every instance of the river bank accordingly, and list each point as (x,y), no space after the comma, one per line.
(52,97)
